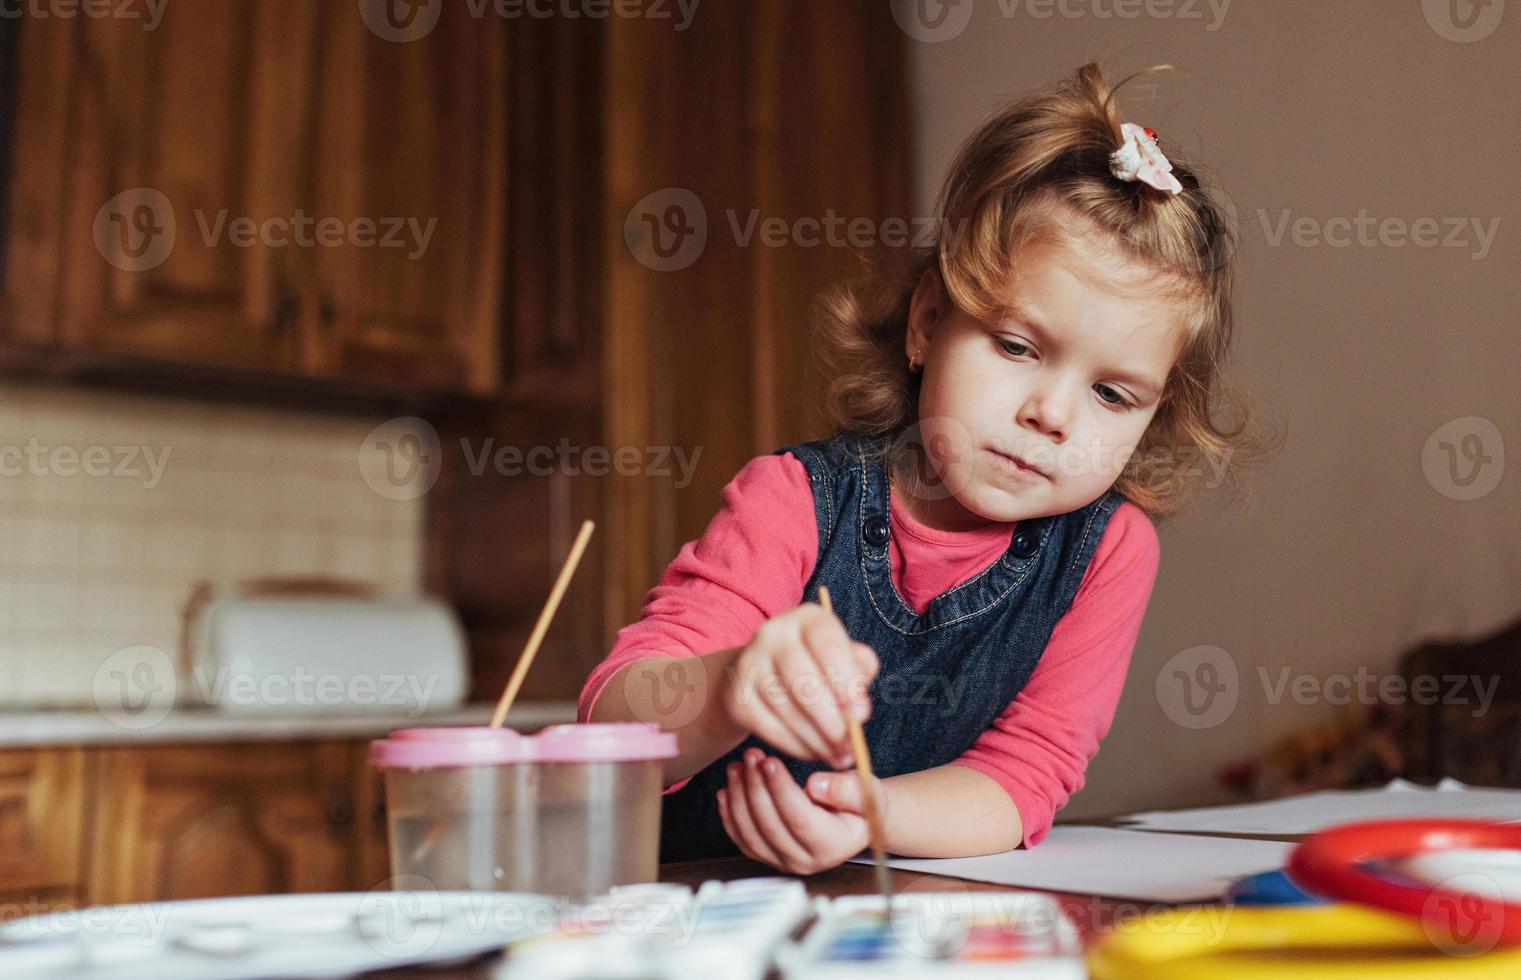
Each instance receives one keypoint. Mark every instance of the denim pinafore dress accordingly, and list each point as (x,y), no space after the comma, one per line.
(944,675)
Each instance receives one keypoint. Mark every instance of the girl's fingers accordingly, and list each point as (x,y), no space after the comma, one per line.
(739,810)
(848,665)
(763,809)
(792,714)
(826,702)
(797,811)
(859,696)
(729,828)
(723,815)
(774,732)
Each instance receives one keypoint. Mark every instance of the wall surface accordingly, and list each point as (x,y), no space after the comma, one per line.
(112,508)
(1366,328)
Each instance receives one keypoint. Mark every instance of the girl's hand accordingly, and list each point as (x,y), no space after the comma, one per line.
(774,821)
(795,682)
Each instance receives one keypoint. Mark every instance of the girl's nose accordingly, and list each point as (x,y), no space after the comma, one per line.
(1046,412)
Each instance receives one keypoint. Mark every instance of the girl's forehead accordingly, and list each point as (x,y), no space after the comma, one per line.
(1099,262)
(1098,298)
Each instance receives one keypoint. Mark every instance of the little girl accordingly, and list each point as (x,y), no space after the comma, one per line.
(1014,408)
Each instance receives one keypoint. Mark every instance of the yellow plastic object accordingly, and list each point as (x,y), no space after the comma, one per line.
(1306,942)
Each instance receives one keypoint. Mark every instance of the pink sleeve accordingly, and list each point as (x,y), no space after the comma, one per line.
(750,564)
(1040,746)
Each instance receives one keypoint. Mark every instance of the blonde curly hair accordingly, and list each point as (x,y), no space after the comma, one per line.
(1038,170)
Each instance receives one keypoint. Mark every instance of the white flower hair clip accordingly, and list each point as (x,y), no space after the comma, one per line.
(1140,158)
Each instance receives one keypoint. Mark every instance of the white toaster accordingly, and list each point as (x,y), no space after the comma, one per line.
(319,654)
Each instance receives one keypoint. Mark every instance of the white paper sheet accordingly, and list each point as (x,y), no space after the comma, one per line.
(1309,812)
(1116,863)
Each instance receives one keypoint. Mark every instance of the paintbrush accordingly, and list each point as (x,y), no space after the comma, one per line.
(525,660)
(869,787)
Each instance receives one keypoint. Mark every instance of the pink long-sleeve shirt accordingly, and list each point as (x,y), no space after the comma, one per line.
(757,554)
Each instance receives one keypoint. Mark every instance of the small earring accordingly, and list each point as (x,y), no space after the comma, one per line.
(914,361)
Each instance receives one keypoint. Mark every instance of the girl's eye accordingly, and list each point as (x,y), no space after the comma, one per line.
(1118,398)
(1109,395)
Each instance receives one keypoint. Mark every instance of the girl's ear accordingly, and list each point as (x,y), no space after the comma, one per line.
(926,309)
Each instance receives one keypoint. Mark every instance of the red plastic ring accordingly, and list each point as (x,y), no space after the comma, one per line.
(1330,863)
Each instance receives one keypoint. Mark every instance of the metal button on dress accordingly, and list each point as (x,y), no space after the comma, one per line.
(875,531)
(1024,544)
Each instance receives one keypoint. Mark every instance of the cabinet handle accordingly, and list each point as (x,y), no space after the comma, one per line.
(285,312)
(340,812)
(327,310)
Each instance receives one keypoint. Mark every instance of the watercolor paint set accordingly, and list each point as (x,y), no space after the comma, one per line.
(728,929)
(938,934)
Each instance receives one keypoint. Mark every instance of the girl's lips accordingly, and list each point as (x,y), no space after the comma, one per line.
(1015,465)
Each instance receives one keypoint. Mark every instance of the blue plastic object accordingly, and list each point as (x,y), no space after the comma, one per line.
(1269,888)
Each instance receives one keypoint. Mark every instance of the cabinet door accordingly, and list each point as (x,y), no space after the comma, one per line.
(41,810)
(410,160)
(372,856)
(37,151)
(181,183)
(191,822)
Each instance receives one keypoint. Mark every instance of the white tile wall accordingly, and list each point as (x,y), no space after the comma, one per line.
(94,561)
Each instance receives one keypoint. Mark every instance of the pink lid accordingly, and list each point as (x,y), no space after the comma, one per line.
(443,748)
(617,742)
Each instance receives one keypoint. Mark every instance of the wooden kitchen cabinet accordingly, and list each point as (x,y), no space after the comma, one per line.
(163,139)
(174,822)
(412,137)
(113,824)
(263,186)
(41,827)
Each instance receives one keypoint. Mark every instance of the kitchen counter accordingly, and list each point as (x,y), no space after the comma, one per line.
(19,728)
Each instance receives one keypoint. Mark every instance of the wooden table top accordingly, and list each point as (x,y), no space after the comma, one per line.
(1090,913)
